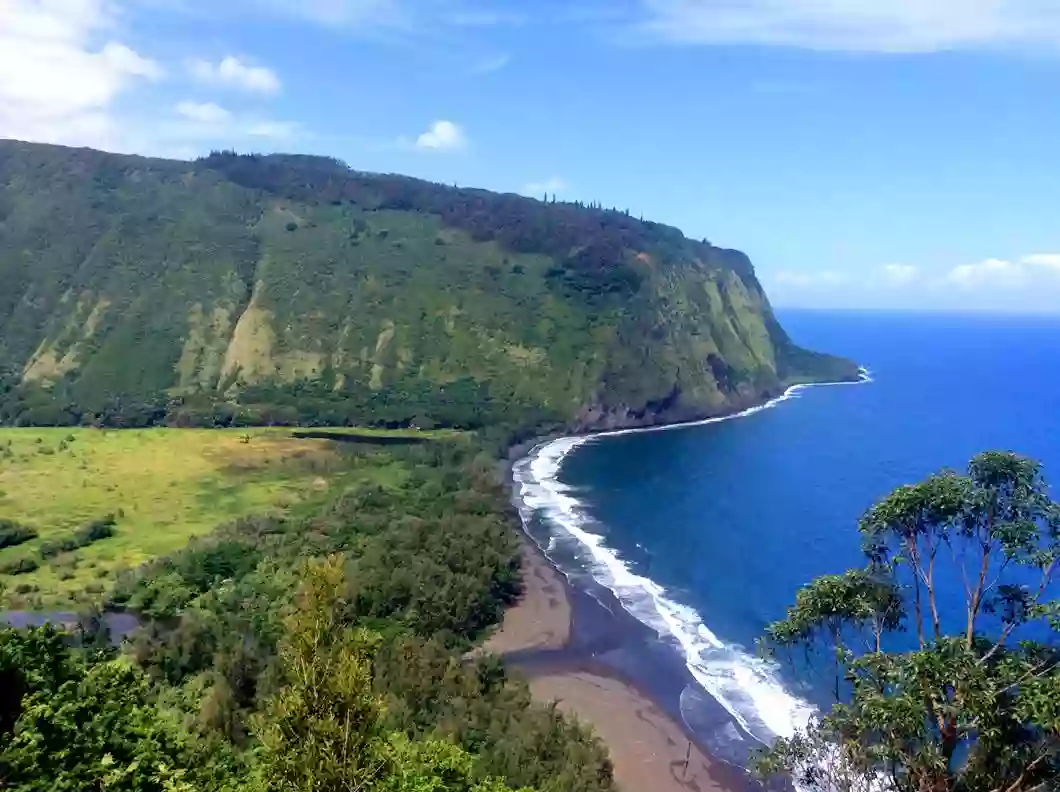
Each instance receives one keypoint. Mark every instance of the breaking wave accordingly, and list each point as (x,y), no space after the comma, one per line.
(748,687)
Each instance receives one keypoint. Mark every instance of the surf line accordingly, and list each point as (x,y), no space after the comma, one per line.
(748,687)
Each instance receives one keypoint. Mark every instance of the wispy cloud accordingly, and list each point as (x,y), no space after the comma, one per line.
(277,130)
(349,14)
(1034,271)
(393,15)
(898,274)
(891,276)
(442,136)
(554,185)
(203,112)
(232,72)
(491,64)
(811,280)
(895,26)
(481,17)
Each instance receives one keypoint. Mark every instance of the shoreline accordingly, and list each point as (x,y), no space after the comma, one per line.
(584,652)
(524,448)
(579,647)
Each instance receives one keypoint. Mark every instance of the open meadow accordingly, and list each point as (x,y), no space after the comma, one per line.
(79,505)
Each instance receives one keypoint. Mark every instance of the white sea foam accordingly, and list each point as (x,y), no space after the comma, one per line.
(748,687)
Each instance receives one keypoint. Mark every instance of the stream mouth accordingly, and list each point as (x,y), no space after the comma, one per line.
(119,624)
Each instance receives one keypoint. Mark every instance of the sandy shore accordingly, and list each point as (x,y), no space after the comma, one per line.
(541,618)
(648,747)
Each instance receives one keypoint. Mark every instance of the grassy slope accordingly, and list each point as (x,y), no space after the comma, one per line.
(170,278)
(166,486)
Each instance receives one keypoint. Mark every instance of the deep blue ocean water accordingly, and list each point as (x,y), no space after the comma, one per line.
(706,532)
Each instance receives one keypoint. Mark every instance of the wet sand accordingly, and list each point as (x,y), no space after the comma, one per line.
(579,648)
(541,618)
(649,751)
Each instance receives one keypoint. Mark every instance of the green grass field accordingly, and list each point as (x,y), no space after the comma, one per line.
(164,486)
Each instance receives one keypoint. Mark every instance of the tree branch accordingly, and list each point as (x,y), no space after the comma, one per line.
(1047,574)
(936,623)
(977,596)
(914,559)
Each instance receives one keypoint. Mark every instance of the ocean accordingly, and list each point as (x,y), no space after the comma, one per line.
(704,533)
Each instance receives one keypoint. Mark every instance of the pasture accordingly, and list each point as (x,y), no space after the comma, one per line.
(160,487)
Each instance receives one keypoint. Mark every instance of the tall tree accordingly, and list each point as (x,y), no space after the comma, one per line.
(969,697)
(323,730)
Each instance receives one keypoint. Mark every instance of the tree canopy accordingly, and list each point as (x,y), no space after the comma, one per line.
(943,650)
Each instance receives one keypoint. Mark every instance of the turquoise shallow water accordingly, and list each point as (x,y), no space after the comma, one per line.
(705,533)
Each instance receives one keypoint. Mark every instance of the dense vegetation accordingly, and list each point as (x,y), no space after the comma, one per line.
(937,692)
(313,650)
(245,290)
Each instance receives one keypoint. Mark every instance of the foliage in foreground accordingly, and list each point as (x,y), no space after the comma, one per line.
(73,720)
(251,675)
(974,702)
(324,729)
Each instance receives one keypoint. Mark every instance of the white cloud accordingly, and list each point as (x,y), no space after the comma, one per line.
(230,71)
(125,61)
(61,74)
(899,274)
(856,25)
(1030,272)
(810,280)
(1049,261)
(442,136)
(553,184)
(204,113)
(207,124)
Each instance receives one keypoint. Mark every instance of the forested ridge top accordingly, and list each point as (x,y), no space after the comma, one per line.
(292,289)
(519,223)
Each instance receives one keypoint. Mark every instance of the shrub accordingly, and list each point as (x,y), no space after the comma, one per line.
(12,533)
(94,531)
(18,566)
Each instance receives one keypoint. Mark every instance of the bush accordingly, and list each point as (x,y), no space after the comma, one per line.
(92,532)
(51,549)
(96,530)
(12,533)
(18,566)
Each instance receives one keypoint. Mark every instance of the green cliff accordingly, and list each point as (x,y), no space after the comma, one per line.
(283,289)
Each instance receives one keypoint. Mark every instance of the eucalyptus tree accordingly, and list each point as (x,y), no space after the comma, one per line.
(942,651)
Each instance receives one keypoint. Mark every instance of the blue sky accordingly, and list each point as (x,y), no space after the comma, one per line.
(864,153)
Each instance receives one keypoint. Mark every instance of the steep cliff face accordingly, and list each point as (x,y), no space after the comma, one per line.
(291,288)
